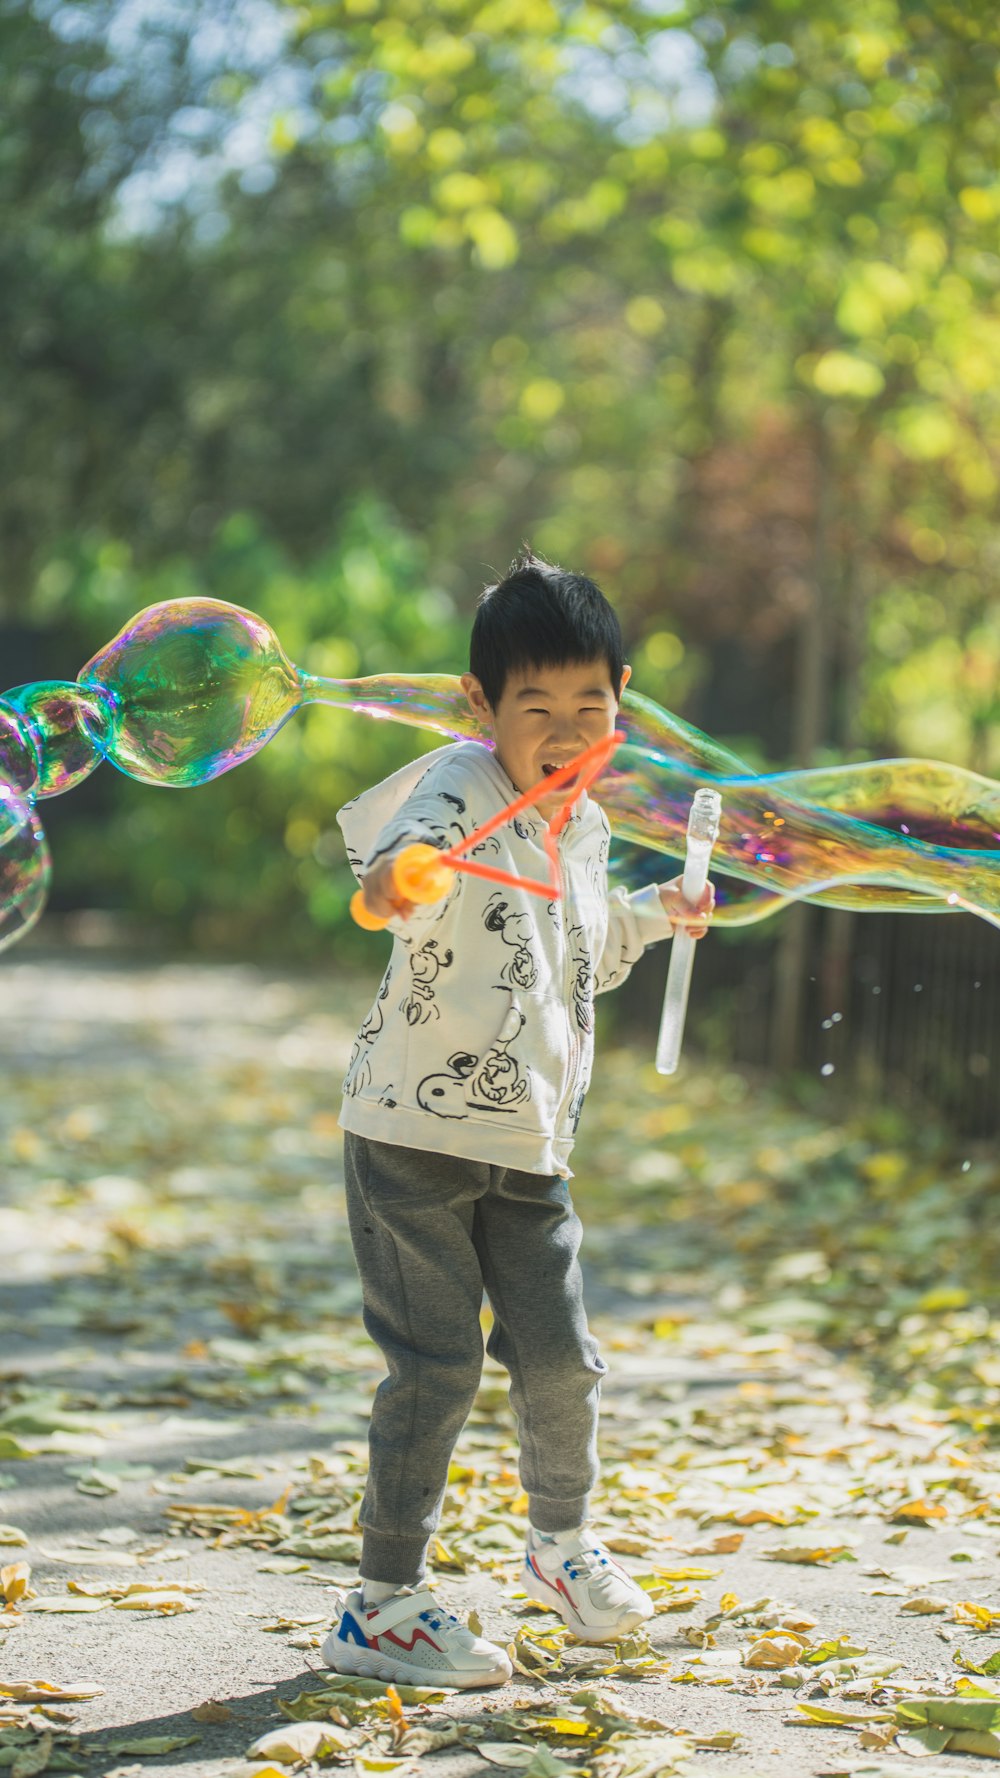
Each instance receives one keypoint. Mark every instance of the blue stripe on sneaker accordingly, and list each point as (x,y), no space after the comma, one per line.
(351,1631)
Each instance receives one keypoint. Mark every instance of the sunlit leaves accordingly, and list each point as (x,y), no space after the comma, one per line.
(495,242)
(844,373)
(874,294)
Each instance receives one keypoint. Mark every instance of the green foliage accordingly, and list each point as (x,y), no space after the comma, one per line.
(702,299)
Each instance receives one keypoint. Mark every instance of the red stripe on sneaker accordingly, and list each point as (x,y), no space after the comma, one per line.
(418,1635)
(558,1586)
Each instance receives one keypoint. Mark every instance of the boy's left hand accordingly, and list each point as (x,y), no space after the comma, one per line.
(684,913)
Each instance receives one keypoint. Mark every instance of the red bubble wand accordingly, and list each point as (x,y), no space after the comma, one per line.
(422,873)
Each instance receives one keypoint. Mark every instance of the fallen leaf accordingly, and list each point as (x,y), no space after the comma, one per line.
(212,1712)
(773,1651)
(14,1582)
(809,1553)
(168,1602)
(33,1759)
(978,1617)
(42,1691)
(302,1741)
(68,1602)
(152,1745)
(920,1511)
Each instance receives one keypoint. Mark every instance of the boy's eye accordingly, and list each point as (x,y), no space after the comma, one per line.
(587,709)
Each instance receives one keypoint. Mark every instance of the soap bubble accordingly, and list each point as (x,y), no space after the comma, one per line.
(191,688)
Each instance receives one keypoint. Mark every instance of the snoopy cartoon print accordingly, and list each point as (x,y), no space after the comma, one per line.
(418,1004)
(494,1082)
(582,984)
(359,1074)
(516,930)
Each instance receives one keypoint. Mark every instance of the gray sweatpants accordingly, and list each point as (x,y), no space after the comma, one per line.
(429,1231)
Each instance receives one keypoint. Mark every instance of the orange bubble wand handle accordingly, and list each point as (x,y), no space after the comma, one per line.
(421,873)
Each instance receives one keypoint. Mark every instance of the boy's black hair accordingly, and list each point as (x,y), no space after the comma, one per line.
(541,616)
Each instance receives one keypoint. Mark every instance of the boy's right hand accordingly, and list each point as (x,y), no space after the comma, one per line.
(381,897)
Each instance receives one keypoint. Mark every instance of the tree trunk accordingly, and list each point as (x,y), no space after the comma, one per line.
(809,707)
(846,651)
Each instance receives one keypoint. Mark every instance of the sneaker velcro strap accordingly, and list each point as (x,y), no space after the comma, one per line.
(403,1605)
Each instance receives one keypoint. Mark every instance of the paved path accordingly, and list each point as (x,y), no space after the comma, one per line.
(180,1339)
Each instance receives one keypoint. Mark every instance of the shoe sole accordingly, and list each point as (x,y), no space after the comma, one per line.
(630,1621)
(367,1663)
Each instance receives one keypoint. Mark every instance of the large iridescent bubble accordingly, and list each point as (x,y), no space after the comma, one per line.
(191,688)
(197,686)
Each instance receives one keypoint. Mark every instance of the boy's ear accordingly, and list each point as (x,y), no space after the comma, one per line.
(474,692)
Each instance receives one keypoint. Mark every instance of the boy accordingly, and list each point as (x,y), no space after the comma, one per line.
(460,1108)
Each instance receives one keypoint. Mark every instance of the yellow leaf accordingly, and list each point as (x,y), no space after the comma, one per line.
(302,1741)
(14,1581)
(68,1602)
(806,1553)
(773,1651)
(168,1603)
(980,1617)
(42,1691)
(444,1558)
(919,1510)
(683,1573)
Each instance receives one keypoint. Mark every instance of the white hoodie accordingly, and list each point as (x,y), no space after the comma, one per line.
(480,1041)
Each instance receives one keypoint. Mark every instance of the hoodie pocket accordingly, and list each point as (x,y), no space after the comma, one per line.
(524,1070)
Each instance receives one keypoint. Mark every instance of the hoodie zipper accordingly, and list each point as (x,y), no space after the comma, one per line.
(567,990)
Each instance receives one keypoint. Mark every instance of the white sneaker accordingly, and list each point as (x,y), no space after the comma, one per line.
(410,1638)
(577,1577)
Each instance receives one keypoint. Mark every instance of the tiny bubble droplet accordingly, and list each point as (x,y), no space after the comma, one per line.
(965,1166)
(827,1068)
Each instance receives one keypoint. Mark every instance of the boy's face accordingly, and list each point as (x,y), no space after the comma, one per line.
(546,716)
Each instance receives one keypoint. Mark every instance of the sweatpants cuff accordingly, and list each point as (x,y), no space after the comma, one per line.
(552,1516)
(388,1558)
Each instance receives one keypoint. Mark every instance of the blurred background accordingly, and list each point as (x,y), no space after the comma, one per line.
(325,310)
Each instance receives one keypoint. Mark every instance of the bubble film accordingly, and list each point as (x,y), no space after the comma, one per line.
(25,867)
(20,763)
(70,728)
(197,686)
(891,835)
(190,688)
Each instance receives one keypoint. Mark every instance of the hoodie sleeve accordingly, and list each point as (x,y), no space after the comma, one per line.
(436,813)
(634,921)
